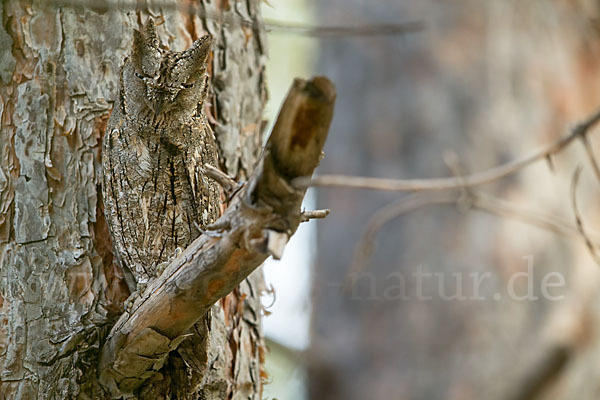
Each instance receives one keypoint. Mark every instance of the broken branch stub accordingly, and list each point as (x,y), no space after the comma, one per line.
(260,216)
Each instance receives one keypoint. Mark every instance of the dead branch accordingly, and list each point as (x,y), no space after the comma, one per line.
(260,219)
(480,178)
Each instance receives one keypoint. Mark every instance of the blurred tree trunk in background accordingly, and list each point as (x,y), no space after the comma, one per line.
(492,81)
(60,291)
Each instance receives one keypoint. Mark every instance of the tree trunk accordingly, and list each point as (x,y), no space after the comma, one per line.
(60,290)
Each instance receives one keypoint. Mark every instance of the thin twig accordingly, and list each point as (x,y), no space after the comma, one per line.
(502,208)
(225,181)
(479,201)
(274,26)
(476,179)
(404,205)
(306,216)
(579,221)
(396,29)
(464,202)
(590,153)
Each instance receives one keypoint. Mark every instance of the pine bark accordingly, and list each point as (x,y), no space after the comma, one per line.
(60,291)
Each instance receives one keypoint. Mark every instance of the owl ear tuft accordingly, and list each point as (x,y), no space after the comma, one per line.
(150,33)
(193,60)
(146,49)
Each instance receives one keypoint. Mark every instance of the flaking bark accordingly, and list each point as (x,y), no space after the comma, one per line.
(60,289)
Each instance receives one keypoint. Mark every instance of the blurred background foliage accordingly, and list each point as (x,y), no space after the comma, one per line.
(287,327)
(488,82)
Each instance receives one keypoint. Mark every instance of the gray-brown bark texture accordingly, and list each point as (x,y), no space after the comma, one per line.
(156,194)
(60,289)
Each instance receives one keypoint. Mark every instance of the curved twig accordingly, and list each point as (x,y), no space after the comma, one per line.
(579,221)
(478,201)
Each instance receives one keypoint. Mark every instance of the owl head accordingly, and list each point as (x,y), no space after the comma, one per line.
(157,81)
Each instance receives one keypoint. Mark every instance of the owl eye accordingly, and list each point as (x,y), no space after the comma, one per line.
(187,85)
(138,75)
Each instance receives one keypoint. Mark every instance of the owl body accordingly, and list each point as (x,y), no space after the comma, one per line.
(157,140)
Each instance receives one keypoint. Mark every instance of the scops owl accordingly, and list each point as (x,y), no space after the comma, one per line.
(157,140)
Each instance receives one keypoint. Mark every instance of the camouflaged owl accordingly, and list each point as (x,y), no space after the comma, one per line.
(155,193)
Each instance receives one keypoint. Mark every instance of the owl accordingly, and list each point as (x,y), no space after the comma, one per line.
(156,196)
